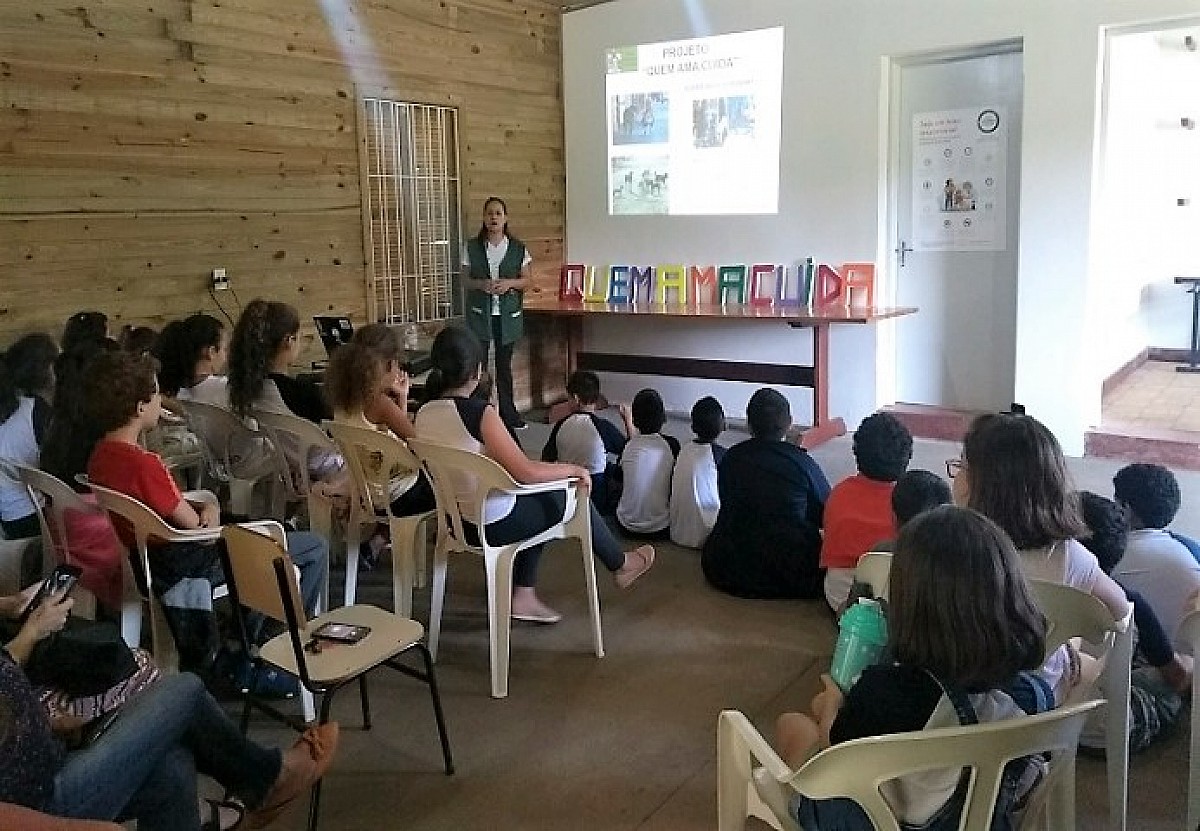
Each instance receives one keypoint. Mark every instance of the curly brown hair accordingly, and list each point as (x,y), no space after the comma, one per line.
(116,382)
(355,369)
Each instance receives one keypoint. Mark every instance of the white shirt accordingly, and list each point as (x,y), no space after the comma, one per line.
(213,390)
(694,499)
(18,446)
(647,463)
(457,422)
(578,440)
(1165,572)
(495,255)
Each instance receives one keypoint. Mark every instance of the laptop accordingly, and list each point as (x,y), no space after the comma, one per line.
(334,331)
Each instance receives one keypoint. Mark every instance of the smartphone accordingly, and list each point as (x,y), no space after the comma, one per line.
(342,632)
(60,581)
(96,728)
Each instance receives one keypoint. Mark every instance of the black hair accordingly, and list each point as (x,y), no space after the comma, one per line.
(916,492)
(257,338)
(708,419)
(768,414)
(1150,491)
(584,385)
(180,346)
(483,232)
(72,434)
(84,327)
(27,368)
(138,340)
(882,447)
(649,413)
(454,357)
(1108,530)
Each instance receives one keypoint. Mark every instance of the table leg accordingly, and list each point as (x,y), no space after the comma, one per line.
(823,428)
(1193,364)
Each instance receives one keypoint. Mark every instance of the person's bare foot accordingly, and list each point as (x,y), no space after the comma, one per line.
(533,610)
(637,563)
(303,766)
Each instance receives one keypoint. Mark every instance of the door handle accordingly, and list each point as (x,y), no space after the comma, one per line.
(903,251)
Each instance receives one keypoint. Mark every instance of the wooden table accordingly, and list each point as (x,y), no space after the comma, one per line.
(814,376)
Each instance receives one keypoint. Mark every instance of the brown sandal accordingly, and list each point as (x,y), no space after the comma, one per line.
(319,744)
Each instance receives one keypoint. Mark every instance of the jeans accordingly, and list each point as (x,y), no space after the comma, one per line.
(144,767)
(504,377)
(309,553)
(535,513)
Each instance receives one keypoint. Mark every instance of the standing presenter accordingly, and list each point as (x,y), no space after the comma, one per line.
(497,275)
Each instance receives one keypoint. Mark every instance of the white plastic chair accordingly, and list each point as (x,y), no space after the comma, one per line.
(1189,633)
(369,504)
(875,568)
(53,498)
(294,438)
(148,525)
(452,469)
(222,434)
(753,781)
(262,578)
(1072,613)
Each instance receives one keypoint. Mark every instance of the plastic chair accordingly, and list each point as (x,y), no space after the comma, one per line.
(452,470)
(1189,633)
(1072,613)
(53,498)
(753,781)
(261,578)
(293,439)
(874,568)
(224,441)
(369,505)
(148,525)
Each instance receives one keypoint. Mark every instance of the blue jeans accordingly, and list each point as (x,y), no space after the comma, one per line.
(310,554)
(144,767)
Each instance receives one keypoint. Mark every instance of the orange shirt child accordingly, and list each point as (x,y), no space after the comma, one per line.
(858,515)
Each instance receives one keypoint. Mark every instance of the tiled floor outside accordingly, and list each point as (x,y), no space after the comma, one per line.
(1155,395)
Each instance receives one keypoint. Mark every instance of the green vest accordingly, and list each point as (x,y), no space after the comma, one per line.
(479,303)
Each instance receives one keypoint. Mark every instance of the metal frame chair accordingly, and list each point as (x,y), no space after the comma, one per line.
(262,578)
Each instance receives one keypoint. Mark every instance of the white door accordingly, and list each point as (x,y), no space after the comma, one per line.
(955,186)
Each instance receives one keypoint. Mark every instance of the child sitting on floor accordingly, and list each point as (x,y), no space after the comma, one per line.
(964,634)
(695,502)
(858,514)
(585,439)
(644,509)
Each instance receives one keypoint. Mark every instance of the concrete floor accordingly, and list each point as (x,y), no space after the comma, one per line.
(627,741)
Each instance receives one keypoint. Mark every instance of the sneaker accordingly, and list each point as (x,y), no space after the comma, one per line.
(270,682)
(520,424)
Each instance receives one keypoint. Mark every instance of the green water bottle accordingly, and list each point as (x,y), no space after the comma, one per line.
(860,643)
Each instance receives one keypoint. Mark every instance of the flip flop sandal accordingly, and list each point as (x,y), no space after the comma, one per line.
(215,815)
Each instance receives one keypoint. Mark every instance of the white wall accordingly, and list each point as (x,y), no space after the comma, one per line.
(832,172)
(1143,238)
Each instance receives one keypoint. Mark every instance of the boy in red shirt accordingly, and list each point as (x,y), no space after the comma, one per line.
(858,513)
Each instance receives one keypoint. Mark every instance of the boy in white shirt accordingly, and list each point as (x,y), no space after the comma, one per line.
(585,439)
(694,499)
(1155,564)
(646,466)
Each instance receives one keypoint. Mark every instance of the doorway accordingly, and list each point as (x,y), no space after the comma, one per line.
(952,225)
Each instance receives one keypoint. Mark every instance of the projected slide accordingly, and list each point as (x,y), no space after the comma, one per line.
(693,125)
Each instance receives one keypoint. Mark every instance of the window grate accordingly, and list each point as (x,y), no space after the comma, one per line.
(412,192)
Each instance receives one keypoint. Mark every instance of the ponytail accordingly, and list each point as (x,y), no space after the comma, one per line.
(257,338)
(180,347)
(455,356)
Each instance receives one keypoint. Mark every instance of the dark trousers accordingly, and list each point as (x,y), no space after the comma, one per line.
(21,529)
(504,377)
(535,513)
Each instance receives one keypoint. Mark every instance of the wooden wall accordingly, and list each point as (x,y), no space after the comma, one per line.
(145,142)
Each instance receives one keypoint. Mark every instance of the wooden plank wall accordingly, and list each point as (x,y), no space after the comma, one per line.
(145,142)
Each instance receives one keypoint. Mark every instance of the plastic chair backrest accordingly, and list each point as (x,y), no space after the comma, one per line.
(1072,613)
(384,452)
(856,769)
(294,438)
(53,498)
(1189,633)
(216,428)
(874,568)
(455,474)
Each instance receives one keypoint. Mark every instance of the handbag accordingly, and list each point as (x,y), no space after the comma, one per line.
(86,657)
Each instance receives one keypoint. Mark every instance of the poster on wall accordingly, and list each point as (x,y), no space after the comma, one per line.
(958,179)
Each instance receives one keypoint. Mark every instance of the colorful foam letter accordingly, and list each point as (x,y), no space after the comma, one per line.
(783,280)
(859,279)
(704,284)
(757,296)
(595,286)
(618,284)
(731,277)
(641,284)
(570,284)
(671,277)
(830,286)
